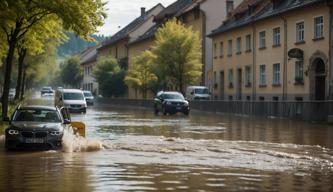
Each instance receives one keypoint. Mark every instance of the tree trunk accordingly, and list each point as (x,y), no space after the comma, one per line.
(23,83)
(8,70)
(22,53)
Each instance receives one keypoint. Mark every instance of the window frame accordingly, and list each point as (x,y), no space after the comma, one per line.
(276,74)
(262,75)
(300,32)
(276,36)
(262,39)
(321,26)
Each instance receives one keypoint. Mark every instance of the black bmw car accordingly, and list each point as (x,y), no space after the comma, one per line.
(36,127)
(170,102)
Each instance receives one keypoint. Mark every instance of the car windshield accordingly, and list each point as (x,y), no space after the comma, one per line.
(201,91)
(36,115)
(172,96)
(73,96)
(87,94)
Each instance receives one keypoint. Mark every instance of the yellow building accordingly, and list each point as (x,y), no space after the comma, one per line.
(274,50)
(202,15)
(88,61)
(117,46)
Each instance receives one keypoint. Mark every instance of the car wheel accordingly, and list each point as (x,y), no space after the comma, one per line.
(155,110)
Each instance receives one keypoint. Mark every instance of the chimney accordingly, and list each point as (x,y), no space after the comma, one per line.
(143,11)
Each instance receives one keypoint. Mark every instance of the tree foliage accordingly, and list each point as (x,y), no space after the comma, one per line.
(71,72)
(20,16)
(110,77)
(141,75)
(178,53)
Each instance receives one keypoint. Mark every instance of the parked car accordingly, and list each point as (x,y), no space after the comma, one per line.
(72,99)
(89,97)
(169,102)
(11,95)
(197,93)
(36,127)
(47,91)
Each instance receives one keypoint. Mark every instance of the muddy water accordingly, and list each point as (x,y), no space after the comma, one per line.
(134,150)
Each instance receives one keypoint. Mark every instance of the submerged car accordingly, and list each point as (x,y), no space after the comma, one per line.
(89,97)
(36,127)
(47,91)
(72,99)
(170,102)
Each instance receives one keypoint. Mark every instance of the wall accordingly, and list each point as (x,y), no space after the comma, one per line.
(275,54)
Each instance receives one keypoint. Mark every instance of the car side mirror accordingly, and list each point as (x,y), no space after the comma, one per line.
(67,121)
(192,93)
(60,98)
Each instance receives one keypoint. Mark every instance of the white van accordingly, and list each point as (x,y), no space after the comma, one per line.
(72,99)
(197,93)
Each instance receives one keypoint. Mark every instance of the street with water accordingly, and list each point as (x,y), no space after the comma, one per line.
(134,150)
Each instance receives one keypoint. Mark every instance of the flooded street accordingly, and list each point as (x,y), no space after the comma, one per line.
(134,150)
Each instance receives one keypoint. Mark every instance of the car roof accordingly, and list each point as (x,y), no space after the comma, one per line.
(170,92)
(37,107)
(198,87)
(71,90)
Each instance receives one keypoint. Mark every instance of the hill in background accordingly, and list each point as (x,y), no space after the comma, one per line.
(75,44)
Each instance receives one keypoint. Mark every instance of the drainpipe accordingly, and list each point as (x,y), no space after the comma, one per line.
(254,60)
(204,75)
(285,60)
(330,36)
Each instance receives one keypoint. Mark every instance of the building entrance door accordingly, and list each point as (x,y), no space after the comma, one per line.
(320,80)
(222,85)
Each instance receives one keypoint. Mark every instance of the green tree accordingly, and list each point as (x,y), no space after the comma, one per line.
(141,75)
(178,53)
(110,77)
(71,72)
(19,16)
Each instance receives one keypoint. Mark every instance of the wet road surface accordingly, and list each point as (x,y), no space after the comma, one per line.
(134,150)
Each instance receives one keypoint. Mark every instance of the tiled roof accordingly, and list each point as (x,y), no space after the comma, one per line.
(150,33)
(250,11)
(89,55)
(173,9)
(124,33)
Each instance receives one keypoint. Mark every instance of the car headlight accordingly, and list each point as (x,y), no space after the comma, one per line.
(13,132)
(55,133)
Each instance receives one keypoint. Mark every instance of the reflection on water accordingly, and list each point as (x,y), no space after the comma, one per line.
(134,150)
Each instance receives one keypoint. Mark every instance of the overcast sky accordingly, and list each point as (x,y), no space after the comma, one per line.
(122,12)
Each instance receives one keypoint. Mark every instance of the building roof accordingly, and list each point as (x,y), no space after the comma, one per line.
(250,11)
(89,55)
(124,33)
(173,10)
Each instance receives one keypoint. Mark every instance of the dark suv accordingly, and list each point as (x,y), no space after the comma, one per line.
(36,127)
(169,102)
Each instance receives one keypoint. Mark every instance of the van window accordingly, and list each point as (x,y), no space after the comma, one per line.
(201,91)
(73,96)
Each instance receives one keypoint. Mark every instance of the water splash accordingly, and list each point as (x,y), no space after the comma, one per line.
(72,142)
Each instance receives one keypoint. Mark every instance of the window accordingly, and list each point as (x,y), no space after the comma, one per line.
(276,36)
(262,77)
(215,50)
(231,77)
(300,32)
(262,39)
(319,27)
(230,47)
(248,42)
(247,76)
(239,45)
(276,74)
(221,49)
(299,77)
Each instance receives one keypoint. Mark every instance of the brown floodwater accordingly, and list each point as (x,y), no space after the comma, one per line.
(134,150)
